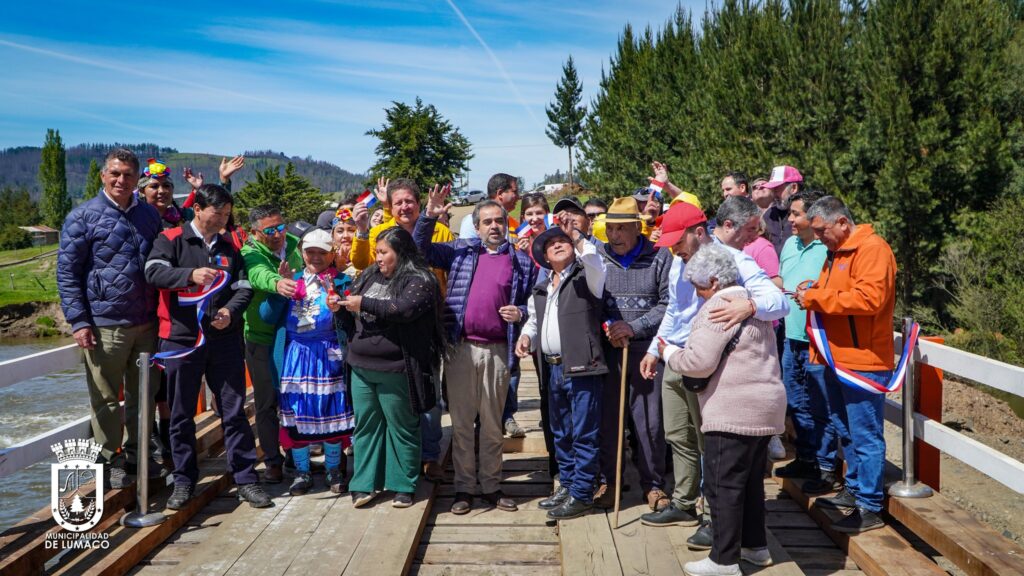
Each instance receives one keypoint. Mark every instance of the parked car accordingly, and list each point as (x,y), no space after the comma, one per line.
(470,197)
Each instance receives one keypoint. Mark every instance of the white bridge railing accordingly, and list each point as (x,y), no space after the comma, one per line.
(28,452)
(992,373)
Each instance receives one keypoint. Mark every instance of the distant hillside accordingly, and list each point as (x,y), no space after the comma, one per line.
(19,167)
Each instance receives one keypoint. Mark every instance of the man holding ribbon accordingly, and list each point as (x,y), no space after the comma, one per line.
(203,293)
(850,314)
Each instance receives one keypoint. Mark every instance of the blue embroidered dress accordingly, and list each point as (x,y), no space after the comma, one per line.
(313,394)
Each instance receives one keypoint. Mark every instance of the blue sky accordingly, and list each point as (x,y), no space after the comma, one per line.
(305,78)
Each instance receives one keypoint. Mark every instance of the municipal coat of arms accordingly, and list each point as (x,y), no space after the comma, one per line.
(76,494)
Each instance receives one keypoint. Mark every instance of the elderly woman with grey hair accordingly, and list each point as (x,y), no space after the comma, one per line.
(742,405)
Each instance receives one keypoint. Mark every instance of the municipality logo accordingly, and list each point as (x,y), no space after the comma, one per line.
(73,505)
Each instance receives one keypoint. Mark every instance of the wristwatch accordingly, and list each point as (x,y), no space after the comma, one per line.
(363,235)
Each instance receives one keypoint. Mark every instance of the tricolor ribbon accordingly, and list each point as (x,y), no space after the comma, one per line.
(656,188)
(368,198)
(197,298)
(816,331)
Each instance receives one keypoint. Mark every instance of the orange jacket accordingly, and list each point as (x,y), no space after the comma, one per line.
(856,295)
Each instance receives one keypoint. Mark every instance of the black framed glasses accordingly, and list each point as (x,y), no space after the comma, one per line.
(274,230)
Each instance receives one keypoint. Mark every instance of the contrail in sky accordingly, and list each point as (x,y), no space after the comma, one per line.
(497,63)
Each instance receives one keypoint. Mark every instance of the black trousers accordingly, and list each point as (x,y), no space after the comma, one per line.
(545,414)
(221,361)
(734,487)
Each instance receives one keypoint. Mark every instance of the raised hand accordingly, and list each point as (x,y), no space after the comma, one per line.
(660,171)
(361,215)
(284,270)
(195,180)
(436,200)
(229,167)
(566,222)
(382,189)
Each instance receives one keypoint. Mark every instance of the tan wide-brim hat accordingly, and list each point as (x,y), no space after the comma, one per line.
(622,210)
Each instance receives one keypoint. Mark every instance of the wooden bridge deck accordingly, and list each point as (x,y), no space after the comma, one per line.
(323,534)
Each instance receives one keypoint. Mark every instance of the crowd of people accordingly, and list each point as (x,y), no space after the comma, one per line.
(358,331)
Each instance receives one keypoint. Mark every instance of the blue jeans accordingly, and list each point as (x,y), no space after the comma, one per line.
(512,400)
(858,418)
(575,410)
(808,407)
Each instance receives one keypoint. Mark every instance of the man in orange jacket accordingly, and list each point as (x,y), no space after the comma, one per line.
(854,298)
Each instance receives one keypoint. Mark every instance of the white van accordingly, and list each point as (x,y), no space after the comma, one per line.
(549,188)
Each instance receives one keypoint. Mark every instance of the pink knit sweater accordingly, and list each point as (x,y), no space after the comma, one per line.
(745,395)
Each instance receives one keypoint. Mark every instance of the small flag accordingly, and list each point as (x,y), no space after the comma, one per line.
(606,325)
(368,198)
(221,261)
(347,292)
(550,220)
(656,187)
(524,230)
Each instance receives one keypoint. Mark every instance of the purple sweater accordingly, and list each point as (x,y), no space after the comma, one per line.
(490,290)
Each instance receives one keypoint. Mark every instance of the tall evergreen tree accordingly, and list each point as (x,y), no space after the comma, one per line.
(417,142)
(93,182)
(55,203)
(565,114)
(293,194)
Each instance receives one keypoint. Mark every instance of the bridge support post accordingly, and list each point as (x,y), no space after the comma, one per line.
(141,517)
(909,487)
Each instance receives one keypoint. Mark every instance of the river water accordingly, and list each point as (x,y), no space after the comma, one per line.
(28,409)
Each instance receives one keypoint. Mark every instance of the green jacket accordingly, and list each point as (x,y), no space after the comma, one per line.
(261,267)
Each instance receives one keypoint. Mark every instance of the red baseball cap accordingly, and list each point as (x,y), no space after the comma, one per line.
(680,216)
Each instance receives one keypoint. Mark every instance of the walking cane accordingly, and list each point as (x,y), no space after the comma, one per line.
(622,412)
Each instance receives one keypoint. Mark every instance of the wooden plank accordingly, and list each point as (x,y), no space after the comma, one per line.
(802,537)
(528,514)
(392,534)
(878,552)
(826,559)
(588,547)
(790,520)
(642,549)
(534,446)
(227,536)
(784,565)
(826,572)
(956,534)
(513,489)
(329,550)
(36,449)
(284,538)
(517,554)
(495,534)
(484,570)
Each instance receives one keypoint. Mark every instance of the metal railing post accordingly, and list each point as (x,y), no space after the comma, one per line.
(909,487)
(141,517)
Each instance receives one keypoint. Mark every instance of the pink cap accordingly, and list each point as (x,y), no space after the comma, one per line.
(783,175)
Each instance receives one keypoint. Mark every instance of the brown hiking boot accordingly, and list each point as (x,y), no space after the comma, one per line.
(273,474)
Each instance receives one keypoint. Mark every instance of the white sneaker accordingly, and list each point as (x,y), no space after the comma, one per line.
(776,451)
(708,567)
(756,556)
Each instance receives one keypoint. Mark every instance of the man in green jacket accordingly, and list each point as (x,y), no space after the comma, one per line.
(267,247)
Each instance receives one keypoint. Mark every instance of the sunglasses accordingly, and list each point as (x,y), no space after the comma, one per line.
(274,230)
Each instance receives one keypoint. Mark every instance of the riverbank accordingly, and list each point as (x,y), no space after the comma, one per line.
(33,320)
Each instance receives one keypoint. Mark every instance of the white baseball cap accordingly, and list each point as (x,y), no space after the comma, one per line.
(317,238)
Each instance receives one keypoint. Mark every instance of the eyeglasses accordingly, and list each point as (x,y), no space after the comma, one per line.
(274,230)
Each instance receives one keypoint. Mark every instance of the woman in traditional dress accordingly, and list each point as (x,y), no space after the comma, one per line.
(314,398)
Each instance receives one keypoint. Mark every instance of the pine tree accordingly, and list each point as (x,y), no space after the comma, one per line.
(418,143)
(76,505)
(292,194)
(55,203)
(93,182)
(565,115)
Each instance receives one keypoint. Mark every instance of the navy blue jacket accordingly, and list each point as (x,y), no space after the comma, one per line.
(460,258)
(101,264)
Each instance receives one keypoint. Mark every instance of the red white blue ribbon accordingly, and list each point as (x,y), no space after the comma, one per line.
(816,332)
(197,298)
(524,230)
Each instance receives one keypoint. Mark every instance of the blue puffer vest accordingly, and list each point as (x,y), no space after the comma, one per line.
(101,264)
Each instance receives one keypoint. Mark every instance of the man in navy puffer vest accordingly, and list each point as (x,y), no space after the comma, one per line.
(112,310)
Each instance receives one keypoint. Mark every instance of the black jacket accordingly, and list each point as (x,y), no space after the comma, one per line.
(580,314)
(176,253)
